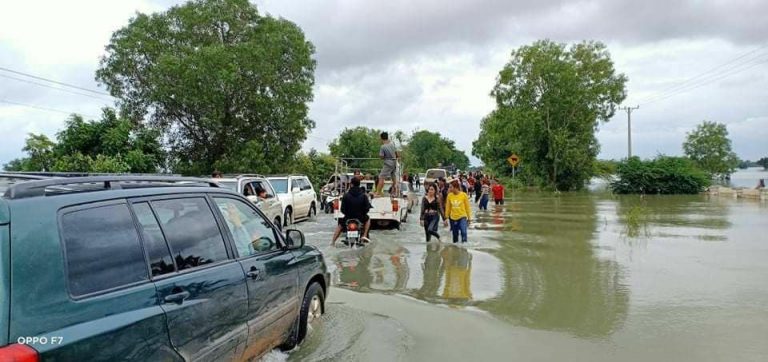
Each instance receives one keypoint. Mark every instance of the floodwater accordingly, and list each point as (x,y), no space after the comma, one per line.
(748,177)
(570,277)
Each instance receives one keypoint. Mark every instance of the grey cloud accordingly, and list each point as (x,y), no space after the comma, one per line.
(352,33)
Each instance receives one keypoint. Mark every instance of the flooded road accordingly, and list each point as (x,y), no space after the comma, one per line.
(571,277)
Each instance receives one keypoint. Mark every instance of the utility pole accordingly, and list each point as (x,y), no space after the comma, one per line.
(629,128)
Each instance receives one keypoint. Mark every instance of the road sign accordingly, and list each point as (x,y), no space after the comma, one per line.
(513,160)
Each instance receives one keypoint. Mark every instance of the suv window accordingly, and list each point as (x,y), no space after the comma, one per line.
(191,230)
(266,186)
(249,189)
(295,183)
(160,261)
(280,184)
(305,185)
(251,233)
(102,249)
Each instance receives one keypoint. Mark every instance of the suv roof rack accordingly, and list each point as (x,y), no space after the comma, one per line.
(22,176)
(238,175)
(97,183)
(47,174)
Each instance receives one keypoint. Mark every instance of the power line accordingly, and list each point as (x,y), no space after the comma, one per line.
(710,80)
(53,81)
(733,66)
(52,87)
(712,69)
(44,108)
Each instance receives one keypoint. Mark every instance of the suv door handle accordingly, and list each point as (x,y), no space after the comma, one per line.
(254,273)
(178,297)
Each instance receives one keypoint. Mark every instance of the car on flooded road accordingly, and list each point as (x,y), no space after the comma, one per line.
(297,195)
(386,211)
(149,268)
(247,184)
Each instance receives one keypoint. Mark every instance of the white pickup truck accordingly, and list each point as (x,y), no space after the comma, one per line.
(386,211)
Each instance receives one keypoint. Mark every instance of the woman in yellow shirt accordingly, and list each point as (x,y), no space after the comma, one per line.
(458,212)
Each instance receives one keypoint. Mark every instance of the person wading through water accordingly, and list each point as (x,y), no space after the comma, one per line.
(432,212)
(485,191)
(458,211)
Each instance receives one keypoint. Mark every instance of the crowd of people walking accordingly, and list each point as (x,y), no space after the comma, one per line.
(449,200)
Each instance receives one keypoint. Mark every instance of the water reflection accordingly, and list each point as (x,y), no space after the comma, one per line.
(380,266)
(673,216)
(554,279)
(540,267)
(442,273)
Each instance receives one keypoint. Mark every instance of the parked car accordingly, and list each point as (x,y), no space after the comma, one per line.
(433,174)
(298,197)
(246,185)
(149,269)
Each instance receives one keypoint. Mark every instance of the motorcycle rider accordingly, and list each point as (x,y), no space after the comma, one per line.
(354,205)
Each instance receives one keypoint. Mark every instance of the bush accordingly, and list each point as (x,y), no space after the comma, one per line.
(663,175)
(512,184)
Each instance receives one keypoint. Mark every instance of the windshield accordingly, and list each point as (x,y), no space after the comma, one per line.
(229,185)
(280,185)
(435,173)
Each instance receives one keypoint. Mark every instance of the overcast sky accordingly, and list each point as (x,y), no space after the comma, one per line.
(429,64)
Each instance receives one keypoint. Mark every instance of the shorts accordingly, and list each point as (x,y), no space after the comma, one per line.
(343,220)
(388,171)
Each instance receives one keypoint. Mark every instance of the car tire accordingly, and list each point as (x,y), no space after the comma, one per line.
(312,211)
(312,307)
(288,217)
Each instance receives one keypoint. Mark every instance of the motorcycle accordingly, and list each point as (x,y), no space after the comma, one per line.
(328,201)
(353,233)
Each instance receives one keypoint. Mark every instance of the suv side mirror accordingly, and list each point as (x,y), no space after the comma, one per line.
(294,239)
(295,190)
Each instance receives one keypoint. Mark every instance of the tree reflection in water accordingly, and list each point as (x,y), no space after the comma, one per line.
(553,279)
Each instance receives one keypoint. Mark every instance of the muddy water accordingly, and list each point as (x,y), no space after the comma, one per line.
(571,277)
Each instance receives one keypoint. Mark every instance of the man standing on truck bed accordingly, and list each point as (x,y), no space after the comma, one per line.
(388,153)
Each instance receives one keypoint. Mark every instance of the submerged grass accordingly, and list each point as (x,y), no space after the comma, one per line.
(636,219)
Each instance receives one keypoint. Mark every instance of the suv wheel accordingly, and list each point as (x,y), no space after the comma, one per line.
(312,308)
(288,217)
(312,211)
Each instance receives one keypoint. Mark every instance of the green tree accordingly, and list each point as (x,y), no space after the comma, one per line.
(40,150)
(549,101)
(111,144)
(427,149)
(763,162)
(317,166)
(710,148)
(358,142)
(220,81)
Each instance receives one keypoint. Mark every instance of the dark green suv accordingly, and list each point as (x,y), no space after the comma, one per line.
(149,269)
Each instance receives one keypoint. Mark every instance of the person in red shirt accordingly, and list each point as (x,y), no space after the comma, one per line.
(498,192)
